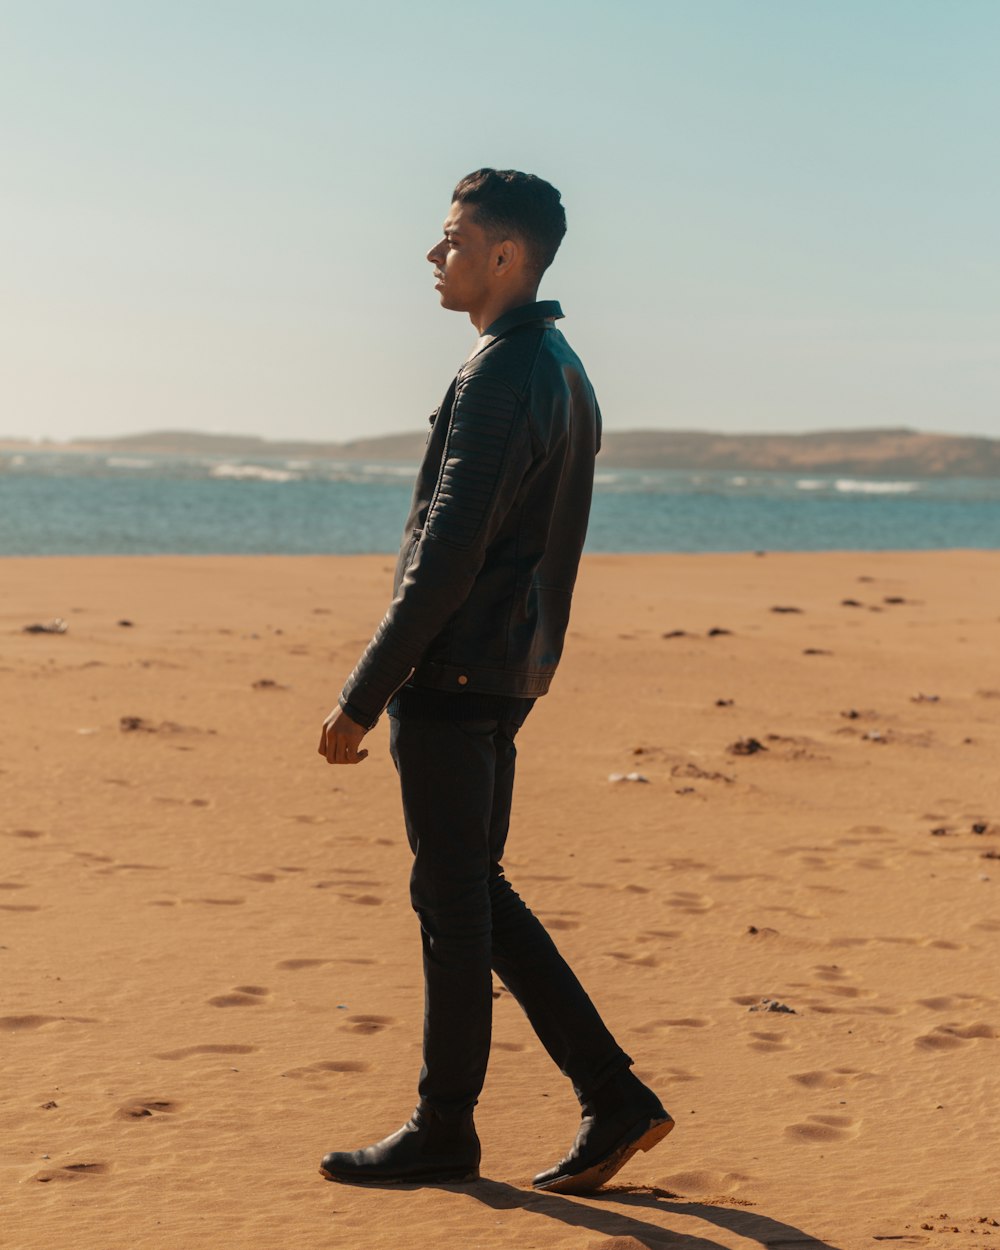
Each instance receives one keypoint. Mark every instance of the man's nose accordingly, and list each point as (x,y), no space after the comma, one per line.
(434,255)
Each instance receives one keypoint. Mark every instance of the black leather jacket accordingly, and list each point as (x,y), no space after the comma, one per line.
(491,547)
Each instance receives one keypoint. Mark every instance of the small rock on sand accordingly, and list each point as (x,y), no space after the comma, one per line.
(772,1004)
(745,746)
(56,626)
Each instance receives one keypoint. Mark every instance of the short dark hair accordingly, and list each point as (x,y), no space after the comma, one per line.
(511,204)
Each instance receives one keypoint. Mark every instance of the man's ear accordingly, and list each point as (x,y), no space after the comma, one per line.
(506,256)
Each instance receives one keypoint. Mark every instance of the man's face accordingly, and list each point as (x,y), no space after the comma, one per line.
(464,262)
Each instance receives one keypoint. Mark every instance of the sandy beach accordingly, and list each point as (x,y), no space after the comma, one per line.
(211,973)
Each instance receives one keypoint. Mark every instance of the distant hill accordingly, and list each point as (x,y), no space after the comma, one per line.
(872,453)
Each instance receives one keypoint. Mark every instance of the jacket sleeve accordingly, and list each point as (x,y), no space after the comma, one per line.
(487,453)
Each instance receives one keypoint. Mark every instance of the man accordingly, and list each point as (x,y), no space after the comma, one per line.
(473,635)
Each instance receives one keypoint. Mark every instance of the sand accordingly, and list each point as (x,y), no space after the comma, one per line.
(210,972)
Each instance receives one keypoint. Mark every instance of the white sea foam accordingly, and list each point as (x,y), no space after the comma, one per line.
(389,470)
(738,481)
(252,472)
(127,462)
(850,485)
(811,483)
(602,479)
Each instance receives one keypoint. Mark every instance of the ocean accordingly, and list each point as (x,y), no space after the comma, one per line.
(58,503)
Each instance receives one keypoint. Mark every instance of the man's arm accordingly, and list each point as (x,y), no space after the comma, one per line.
(487,453)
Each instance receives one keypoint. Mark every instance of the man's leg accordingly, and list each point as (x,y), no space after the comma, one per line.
(527,961)
(620,1114)
(446,778)
(446,773)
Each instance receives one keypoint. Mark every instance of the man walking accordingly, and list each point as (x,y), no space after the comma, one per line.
(472,637)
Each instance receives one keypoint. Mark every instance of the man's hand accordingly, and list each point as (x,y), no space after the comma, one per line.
(341,738)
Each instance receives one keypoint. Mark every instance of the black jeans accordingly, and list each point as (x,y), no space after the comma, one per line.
(457,779)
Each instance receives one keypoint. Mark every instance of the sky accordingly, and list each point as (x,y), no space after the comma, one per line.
(784,215)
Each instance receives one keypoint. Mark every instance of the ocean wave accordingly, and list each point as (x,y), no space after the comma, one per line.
(389,470)
(811,483)
(252,472)
(850,485)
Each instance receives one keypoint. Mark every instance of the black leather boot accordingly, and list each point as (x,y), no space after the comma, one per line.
(426,1149)
(622,1117)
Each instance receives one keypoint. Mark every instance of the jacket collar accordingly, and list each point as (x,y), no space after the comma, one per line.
(546,309)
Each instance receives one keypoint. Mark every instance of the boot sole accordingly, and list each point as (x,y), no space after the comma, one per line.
(439,1177)
(601,1172)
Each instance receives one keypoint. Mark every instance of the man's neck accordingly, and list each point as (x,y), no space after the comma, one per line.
(484,317)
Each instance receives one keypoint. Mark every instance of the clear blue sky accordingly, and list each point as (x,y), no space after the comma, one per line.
(783,214)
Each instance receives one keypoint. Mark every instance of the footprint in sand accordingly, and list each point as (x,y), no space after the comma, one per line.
(742,876)
(294,965)
(512,1046)
(366,1024)
(558,922)
(147,1108)
(71,1172)
(29,834)
(629,957)
(952,1036)
(824,1128)
(950,1002)
(680,1075)
(704,1182)
(20,907)
(362,900)
(113,868)
(17,1024)
(14,1024)
(325,1066)
(832,1078)
(817,863)
(218,1049)
(767,1043)
(830,972)
(216,902)
(241,996)
(266,878)
(848,991)
(684,1022)
(688,900)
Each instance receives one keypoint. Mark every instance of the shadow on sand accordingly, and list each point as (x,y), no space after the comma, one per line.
(629,1211)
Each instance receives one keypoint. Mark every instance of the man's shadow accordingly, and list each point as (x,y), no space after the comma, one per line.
(615,1212)
(610,1211)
